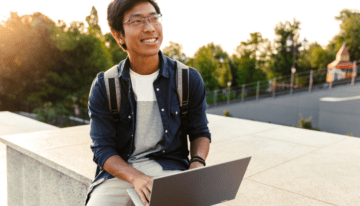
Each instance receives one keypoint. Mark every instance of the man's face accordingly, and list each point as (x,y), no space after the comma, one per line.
(144,40)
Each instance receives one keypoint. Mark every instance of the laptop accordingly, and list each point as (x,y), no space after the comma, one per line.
(200,186)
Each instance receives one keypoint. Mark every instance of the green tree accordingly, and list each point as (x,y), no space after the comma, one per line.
(93,22)
(281,60)
(225,74)
(174,49)
(207,62)
(250,59)
(83,55)
(27,52)
(317,57)
(49,64)
(117,54)
(349,33)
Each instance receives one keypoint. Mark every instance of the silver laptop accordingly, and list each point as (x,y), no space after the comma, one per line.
(201,186)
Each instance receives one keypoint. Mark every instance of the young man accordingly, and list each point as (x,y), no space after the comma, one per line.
(147,139)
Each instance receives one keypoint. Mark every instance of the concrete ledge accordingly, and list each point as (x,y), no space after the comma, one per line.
(289,166)
(11,123)
(65,150)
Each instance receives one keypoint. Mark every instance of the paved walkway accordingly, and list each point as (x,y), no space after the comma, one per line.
(289,166)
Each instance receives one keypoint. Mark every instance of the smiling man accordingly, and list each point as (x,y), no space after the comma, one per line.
(145,139)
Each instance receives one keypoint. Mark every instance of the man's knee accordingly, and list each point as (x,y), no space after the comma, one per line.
(110,192)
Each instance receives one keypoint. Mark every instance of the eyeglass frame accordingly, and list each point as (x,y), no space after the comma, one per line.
(144,19)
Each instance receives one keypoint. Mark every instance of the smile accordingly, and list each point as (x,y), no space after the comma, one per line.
(149,40)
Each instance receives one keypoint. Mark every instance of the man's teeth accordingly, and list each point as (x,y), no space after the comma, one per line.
(149,40)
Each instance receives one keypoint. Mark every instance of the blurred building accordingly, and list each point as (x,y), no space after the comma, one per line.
(342,67)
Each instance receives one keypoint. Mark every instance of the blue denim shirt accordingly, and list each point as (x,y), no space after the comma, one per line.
(110,138)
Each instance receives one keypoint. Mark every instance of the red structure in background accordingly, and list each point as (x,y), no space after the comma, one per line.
(342,67)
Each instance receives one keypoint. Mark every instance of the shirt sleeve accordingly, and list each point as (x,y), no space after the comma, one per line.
(102,125)
(197,120)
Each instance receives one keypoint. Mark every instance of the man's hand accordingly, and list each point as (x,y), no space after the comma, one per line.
(142,183)
(143,187)
(195,165)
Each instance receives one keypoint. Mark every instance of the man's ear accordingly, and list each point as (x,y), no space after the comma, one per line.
(118,36)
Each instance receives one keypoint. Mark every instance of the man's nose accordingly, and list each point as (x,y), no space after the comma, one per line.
(148,27)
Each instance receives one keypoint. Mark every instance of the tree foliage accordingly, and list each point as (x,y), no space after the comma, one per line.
(93,22)
(114,49)
(207,62)
(46,62)
(173,49)
(281,60)
(250,60)
(83,55)
(315,57)
(27,52)
(349,33)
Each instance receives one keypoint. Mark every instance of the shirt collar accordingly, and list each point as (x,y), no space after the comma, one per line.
(124,67)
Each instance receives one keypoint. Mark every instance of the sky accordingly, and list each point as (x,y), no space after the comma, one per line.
(195,23)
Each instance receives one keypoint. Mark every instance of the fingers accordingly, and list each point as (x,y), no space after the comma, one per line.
(150,184)
(143,199)
(148,188)
(147,194)
(144,195)
(143,187)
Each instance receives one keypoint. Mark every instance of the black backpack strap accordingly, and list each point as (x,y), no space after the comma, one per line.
(113,91)
(182,77)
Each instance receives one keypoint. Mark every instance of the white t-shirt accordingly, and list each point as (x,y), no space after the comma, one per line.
(149,134)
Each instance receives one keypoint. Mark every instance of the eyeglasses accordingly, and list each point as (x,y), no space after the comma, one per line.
(140,21)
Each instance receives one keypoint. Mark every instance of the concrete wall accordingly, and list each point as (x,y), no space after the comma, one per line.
(285,110)
(33,183)
(10,124)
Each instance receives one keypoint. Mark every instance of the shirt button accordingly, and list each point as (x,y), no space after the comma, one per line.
(176,112)
(129,117)
(162,110)
(163,151)
(166,131)
(157,89)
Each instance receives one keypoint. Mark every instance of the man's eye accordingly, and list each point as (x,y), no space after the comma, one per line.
(155,18)
(136,21)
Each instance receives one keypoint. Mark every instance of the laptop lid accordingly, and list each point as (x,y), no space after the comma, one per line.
(201,186)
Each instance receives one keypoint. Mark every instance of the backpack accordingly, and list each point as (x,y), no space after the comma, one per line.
(113,91)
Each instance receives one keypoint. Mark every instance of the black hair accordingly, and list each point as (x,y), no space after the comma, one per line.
(116,11)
